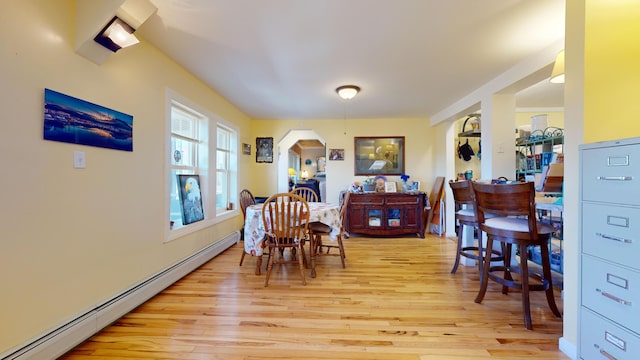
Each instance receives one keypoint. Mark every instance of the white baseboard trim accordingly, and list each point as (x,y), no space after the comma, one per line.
(64,338)
(568,348)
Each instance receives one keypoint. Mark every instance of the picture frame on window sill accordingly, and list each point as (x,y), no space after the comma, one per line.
(190,198)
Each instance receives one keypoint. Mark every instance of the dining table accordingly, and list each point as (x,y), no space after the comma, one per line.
(254,232)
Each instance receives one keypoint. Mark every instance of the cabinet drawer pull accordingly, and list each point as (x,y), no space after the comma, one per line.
(607,355)
(614,298)
(614,178)
(615,238)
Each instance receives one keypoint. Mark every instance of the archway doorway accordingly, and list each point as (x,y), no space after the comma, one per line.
(289,140)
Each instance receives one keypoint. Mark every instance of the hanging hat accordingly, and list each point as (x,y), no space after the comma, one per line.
(466,151)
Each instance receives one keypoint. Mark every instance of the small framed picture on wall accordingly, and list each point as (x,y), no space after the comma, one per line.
(336,154)
(246,149)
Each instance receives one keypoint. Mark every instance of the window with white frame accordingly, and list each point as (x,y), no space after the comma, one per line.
(223,168)
(191,137)
(189,148)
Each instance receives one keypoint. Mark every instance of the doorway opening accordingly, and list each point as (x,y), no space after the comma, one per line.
(297,150)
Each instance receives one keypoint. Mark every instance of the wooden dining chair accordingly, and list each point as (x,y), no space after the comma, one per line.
(514,223)
(245,199)
(308,194)
(465,215)
(318,230)
(284,216)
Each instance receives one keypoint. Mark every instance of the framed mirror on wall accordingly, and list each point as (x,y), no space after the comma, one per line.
(379,155)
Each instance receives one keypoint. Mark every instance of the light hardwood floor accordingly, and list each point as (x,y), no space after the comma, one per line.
(395,300)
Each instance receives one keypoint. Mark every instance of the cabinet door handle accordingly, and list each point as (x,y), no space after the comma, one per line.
(607,355)
(615,238)
(615,178)
(614,298)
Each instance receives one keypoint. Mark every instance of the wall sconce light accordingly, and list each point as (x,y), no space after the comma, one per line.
(557,74)
(116,35)
(348,92)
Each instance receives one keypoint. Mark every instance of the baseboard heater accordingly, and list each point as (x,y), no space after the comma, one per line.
(64,338)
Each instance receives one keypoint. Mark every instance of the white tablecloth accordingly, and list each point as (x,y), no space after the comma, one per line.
(325,213)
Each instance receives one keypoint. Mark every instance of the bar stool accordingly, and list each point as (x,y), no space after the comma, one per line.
(515,224)
(466,216)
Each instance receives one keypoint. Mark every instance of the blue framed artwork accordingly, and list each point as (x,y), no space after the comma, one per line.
(190,198)
(72,120)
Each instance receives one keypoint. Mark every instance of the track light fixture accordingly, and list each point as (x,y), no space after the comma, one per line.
(116,35)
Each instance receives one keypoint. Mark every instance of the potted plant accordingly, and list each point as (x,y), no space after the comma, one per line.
(369,185)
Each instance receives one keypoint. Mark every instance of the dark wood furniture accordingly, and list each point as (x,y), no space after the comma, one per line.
(514,223)
(466,216)
(386,214)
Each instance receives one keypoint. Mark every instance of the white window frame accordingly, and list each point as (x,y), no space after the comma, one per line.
(231,171)
(207,167)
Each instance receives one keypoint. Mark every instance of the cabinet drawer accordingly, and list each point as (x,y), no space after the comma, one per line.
(403,200)
(612,291)
(601,339)
(366,200)
(611,232)
(611,174)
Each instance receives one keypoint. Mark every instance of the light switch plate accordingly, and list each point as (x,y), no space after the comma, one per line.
(79,160)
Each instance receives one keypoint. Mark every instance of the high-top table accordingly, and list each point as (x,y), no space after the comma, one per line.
(254,233)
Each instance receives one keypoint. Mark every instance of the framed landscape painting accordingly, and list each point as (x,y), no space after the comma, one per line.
(72,120)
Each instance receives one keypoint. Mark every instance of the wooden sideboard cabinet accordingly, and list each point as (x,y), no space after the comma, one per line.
(386,214)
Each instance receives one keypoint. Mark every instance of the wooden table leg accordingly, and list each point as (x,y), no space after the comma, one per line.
(258,264)
(312,255)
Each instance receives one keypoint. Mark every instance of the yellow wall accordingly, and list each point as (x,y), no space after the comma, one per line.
(612,70)
(420,149)
(73,238)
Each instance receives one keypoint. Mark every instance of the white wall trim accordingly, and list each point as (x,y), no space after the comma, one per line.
(568,348)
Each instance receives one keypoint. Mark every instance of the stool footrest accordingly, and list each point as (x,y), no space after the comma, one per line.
(500,279)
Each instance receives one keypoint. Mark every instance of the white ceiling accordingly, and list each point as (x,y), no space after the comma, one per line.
(283,59)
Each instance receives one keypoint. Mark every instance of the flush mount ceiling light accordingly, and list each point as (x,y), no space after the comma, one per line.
(116,35)
(348,92)
(557,74)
